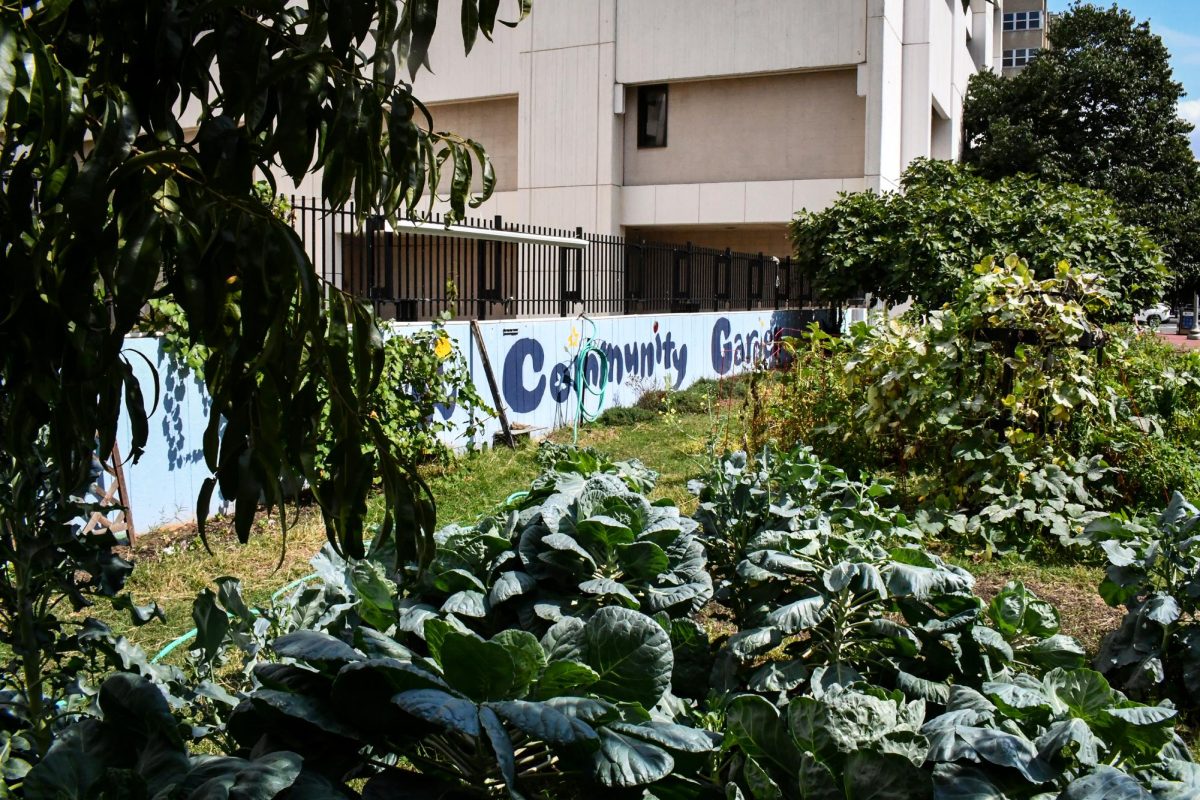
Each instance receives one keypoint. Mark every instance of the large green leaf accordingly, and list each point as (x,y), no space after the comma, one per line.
(809,724)
(1007,750)
(529,660)
(876,776)
(446,710)
(261,779)
(625,761)
(543,721)
(295,713)
(211,624)
(502,746)
(315,646)
(482,670)
(800,615)
(1079,692)
(375,594)
(679,738)
(642,560)
(630,653)
(563,678)
(1105,783)
(70,768)
(758,729)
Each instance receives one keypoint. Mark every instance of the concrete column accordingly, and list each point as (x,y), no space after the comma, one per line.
(916,112)
(880,82)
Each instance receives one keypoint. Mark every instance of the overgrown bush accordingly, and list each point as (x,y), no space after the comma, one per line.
(424,376)
(1014,417)
(922,242)
(811,401)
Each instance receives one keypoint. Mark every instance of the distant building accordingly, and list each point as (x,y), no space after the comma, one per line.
(1024,33)
(709,121)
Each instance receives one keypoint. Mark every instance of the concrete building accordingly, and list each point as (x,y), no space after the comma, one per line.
(1023,33)
(705,121)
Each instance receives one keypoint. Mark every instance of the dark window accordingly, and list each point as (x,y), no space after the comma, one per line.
(652,116)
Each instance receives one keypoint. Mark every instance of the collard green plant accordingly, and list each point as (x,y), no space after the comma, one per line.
(842,743)
(608,544)
(1154,572)
(580,543)
(136,748)
(559,462)
(1068,735)
(841,584)
(742,499)
(477,716)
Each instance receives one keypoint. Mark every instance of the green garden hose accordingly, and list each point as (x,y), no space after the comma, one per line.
(583,388)
(187,637)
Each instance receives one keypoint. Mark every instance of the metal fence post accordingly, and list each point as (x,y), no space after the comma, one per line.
(580,298)
(373,226)
(783,282)
(499,268)
(481,279)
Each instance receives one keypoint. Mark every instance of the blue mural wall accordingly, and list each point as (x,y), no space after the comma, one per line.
(534,364)
(165,481)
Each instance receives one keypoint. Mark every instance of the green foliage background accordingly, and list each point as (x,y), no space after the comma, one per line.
(1097,108)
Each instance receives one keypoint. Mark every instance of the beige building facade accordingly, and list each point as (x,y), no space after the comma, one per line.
(1023,29)
(708,120)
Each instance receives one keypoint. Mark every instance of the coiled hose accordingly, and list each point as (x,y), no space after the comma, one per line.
(583,387)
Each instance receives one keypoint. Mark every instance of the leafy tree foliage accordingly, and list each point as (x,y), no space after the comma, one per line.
(925,241)
(1098,108)
(131,137)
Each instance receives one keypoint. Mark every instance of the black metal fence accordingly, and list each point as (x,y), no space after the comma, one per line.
(411,275)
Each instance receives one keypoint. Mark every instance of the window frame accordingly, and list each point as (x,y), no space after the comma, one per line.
(1018,57)
(1019,21)
(644,95)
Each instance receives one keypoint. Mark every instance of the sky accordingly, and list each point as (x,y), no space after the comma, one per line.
(1178,23)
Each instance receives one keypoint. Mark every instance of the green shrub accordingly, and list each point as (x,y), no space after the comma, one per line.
(423,372)
(923,241)
(619,416)
(811,403)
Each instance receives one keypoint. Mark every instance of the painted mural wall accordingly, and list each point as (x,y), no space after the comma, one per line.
(534,365)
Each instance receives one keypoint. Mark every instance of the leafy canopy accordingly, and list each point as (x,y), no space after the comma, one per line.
(131,137)
(924,241)
(1098,109)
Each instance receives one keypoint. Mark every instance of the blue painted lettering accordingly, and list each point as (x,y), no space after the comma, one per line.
(519,398)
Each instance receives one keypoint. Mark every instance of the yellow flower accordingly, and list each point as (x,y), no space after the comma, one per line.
(443,347)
